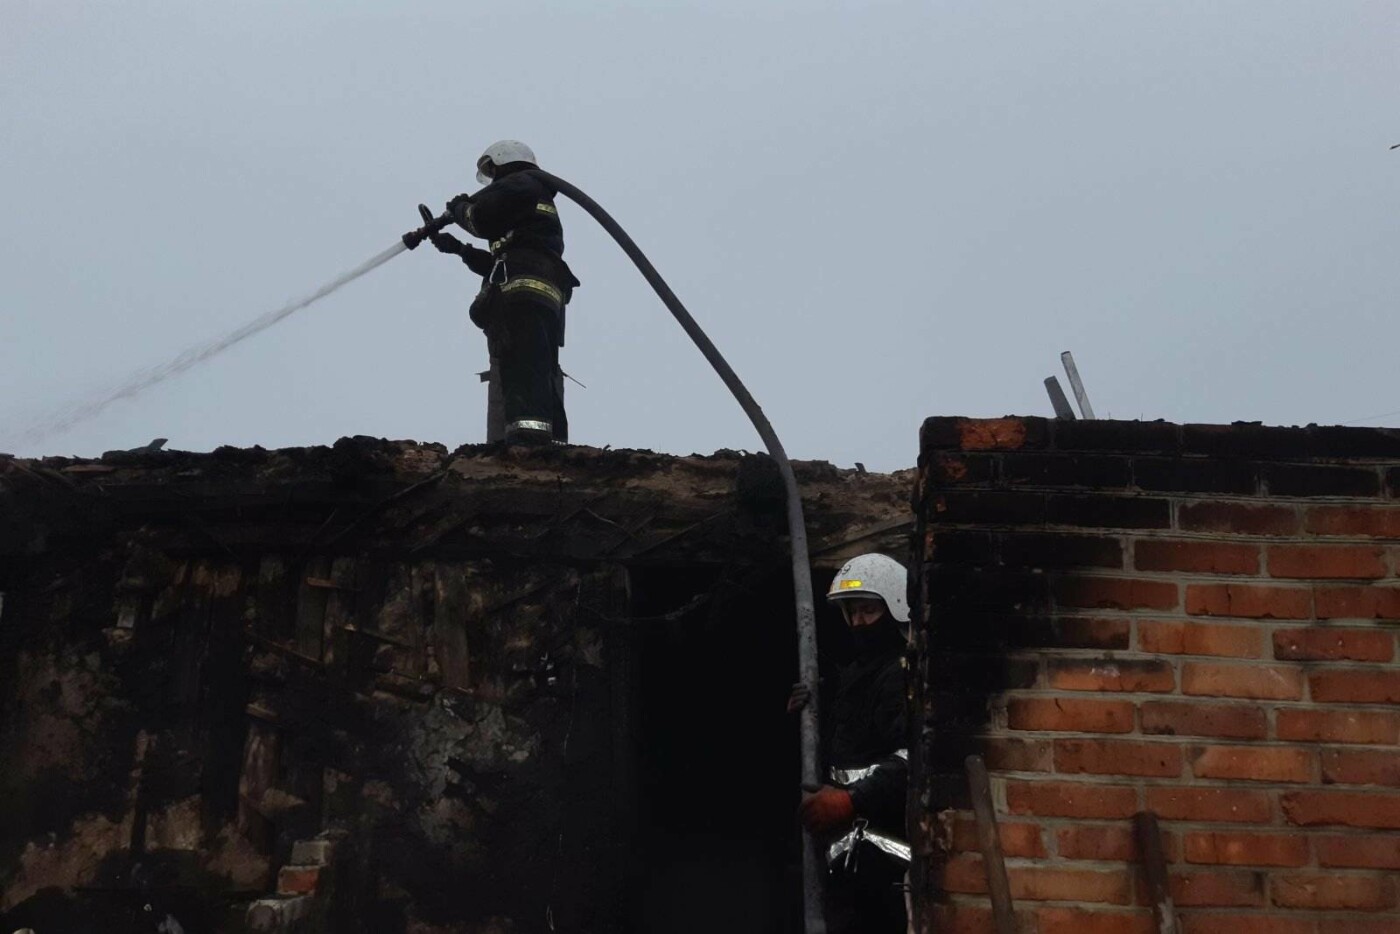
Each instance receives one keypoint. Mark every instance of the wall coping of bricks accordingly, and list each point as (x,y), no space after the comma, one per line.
(1240,439)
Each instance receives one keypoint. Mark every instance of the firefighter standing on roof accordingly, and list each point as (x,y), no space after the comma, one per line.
(525,285)
(859,814)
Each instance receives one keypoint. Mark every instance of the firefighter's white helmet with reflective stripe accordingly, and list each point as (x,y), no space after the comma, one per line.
(873,575)
(499,153)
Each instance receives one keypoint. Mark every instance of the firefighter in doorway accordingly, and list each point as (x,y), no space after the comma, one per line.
(860,812)
(525,286)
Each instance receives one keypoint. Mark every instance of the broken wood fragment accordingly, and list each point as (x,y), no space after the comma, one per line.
(989,841)
(1154,866)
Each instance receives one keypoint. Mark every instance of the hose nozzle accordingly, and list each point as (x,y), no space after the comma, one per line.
(431,225)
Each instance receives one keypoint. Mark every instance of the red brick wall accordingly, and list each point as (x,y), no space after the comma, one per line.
(1195,620)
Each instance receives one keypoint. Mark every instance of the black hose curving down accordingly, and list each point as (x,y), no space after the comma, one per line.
(813,865)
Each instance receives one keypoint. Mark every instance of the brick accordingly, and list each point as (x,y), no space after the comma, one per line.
(1358,603)
(1371,727)
(1361,767)
(1069,715)
(1170,637)
(939,432)
(1017,839)
(1327,562)
(1083,921)
(1182,475)
(1341,808)
(999,631)
(1355,521)
(1071,799)
(1334,644)
(1115,842)
(1237,519)
(1254,763)
(1249,601)
(1128,676)
(1248,439)
(1136,437)
(1078,632)
(963,919)
(1355,686)
(1157,554)
(1349,441)
(1016,755)
(1323,892)
(1245,924)
(1355,925)
(1268,682)
(973,673)
(993,434)
(1218,889)
(1003,590)
(1108,512)
(1229,721)
(1117,757)
(964,546)
(1326,644)
(298,880)
(954,469)
(1118,593)
(1320,480)
(1042,550)
(1094,471)
(1114,887)
(966,875)
(1222,805)
(1242,848)
(989,507)
(1358,851)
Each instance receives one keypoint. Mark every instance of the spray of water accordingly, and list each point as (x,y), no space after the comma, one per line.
(84,409)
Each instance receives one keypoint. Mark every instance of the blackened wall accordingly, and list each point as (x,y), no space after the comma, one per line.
(383,687)
(1196,620)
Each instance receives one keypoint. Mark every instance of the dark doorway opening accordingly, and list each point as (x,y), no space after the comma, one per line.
(716,838)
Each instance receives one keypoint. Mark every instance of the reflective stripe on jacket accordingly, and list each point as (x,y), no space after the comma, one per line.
(843,848)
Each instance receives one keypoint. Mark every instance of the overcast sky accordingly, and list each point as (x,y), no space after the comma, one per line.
(880,211)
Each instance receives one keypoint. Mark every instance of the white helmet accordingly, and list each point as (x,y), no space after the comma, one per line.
(502,153)
(873,575)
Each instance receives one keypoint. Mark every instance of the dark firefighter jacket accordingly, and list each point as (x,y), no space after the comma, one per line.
(516,215)
(867,723)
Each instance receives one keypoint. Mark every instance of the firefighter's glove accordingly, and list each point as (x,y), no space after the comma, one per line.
(799,697)
(457,207)
(826,810)
(446,243)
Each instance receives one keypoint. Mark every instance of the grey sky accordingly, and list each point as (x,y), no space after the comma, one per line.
(879,211)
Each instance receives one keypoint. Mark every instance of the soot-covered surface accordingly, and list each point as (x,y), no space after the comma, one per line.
(385,687)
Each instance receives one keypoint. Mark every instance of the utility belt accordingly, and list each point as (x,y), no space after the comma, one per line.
(845,851)
(530,274)
(533,286)
(541,274)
